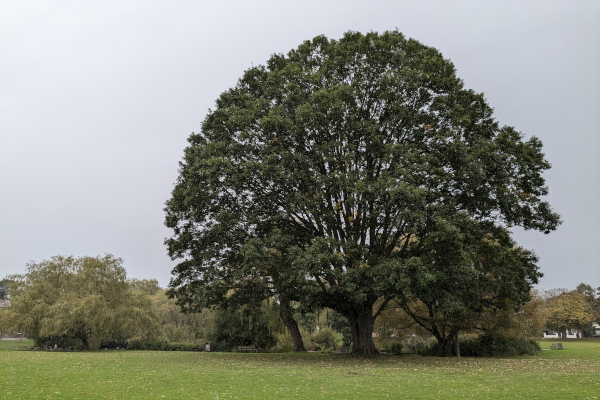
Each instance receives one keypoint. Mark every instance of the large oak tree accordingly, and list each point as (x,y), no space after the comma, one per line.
(358,153)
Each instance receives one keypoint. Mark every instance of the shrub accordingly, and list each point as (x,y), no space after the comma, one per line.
(285,344)
(245,326)
(420,344)
(479,346)
(114,344)
(497,346)
(393,346)
(327,339)
(61,342)
(163,345)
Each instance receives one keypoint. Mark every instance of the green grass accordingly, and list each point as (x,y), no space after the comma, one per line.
(15,344)
(573,373)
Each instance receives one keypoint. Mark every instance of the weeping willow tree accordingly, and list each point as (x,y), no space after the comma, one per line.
(82,301)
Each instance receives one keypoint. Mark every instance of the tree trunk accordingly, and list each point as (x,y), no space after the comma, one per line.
(85,343)
(456,342)
(563,331)
(361,324)
(445,345)
(285,313)
(83,336)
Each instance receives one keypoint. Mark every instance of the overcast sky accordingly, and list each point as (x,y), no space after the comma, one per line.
(97,99)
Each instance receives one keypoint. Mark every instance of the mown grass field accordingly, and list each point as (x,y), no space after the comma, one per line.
(15,344)
(573,373)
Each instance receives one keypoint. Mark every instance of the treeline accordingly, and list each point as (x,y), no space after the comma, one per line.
(555,309)
(88,302)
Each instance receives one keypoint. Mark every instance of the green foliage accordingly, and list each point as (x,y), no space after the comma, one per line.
(178,326)
(395,322)
(78,302)
(244,326)
(322,339)
(486,270)
(527,322)
(498,346)
(352,170)
(148,286)
(313,321)
(586,290)
(393,346)
(285,343)
(419,344)
(5,288)
(327,339)
(487,345)
(570,310)
(162,345)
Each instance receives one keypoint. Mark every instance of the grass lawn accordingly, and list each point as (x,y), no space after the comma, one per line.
(15,344)
(573,373)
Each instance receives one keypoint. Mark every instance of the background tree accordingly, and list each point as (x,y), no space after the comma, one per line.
(177,326)
(526,323)
(568,310)
(395,322)
(466,269)
(249,325)
(4,288)
(586,290)
(148,286)
(83,300)
(355,149)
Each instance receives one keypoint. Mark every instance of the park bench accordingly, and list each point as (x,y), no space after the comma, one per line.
(246,348)
(556,346)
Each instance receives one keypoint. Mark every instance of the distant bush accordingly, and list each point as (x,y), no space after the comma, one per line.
(484,346)
(163,345)
(114,344)
(419,344)
(326,339)
(285,344)
(393,346)
(61,342)
(244,326)
(493,346)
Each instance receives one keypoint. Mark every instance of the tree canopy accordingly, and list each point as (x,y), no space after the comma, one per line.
(78,301)
(369,159)
(4,288)
(569,310)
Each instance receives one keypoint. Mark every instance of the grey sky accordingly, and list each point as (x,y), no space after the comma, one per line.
(97,100)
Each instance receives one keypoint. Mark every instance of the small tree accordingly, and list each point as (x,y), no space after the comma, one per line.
(464,270)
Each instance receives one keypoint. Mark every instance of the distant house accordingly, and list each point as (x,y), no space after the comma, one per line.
(571,334)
